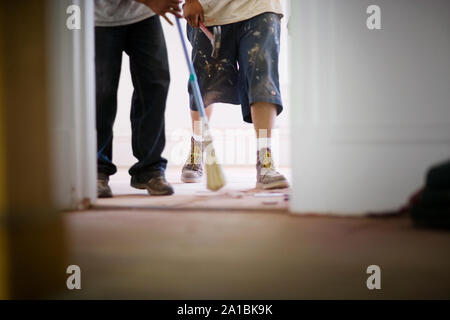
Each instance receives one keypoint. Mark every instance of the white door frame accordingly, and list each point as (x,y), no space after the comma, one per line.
(72,94)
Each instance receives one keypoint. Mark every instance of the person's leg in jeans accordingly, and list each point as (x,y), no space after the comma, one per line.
(146,47)
(109,43)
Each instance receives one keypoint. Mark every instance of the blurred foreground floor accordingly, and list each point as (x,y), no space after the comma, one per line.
(188,253)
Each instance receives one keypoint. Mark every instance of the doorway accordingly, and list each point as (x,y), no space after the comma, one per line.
(234,142)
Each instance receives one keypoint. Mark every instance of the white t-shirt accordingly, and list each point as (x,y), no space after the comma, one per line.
(220,12)
(109,13)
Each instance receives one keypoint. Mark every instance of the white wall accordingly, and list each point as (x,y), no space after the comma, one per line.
(229,128)
(371,107)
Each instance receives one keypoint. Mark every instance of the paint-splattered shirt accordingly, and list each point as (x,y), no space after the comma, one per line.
(220,12)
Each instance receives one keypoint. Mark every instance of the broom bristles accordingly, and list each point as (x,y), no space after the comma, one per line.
(214,174)
(215,178)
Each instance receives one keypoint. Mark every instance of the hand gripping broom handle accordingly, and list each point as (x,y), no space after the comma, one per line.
(193,77)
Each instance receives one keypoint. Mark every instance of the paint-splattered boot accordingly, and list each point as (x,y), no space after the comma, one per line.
(103,189)
(192,171)
(266,175)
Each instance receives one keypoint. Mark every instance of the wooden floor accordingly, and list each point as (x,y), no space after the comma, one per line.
(177,252)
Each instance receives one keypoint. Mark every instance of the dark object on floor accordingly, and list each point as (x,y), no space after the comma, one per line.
(431,207)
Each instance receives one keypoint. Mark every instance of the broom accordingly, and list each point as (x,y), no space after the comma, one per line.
(214,174)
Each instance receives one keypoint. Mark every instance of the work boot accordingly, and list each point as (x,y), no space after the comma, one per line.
(156,186)
(192,171)
(103,189)
(266,175)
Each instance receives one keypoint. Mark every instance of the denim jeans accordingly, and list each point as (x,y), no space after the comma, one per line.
(145,45)
(254,46)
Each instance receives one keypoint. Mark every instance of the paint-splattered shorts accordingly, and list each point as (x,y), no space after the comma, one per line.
(246,70)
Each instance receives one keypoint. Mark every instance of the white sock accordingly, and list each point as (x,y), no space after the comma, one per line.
(197,138)
(263,143)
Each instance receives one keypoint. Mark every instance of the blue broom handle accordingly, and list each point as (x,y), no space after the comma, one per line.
(193,76)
